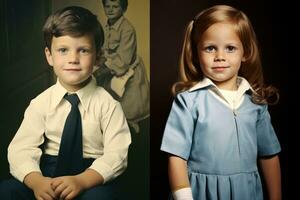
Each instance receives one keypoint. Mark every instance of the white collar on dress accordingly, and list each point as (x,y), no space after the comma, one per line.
(243,87)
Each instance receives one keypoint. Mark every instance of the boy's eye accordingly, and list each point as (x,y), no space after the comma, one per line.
(115,6)
(210,49)
(230,49)
(84,51)
(62,50)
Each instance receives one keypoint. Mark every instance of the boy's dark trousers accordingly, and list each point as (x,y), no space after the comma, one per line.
(13,189)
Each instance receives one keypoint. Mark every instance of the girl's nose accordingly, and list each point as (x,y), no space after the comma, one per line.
(219,57)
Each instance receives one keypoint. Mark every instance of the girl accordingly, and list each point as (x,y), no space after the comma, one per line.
(219,124)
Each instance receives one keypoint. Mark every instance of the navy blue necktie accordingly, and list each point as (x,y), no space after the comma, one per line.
(70,159)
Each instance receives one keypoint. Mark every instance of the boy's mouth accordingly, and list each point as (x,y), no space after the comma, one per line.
(72,69)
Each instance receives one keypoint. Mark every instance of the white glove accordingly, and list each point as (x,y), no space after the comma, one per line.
(183,194)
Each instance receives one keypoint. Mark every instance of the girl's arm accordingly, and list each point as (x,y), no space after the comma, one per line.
(178,175)
(271,172)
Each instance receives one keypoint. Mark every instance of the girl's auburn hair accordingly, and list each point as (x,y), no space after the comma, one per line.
(251,69)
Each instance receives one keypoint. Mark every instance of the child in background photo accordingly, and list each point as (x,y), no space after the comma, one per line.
(121,71)
(74,138)
(219,125)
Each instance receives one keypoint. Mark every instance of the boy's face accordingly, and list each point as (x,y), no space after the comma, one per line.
(72,59)
(113,10)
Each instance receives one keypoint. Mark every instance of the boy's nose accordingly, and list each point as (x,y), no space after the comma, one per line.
(73,57)
(109,9)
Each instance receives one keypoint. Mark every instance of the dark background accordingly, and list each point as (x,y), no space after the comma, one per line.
(24,72)
(273,24)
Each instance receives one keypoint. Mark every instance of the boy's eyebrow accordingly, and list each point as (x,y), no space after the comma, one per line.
(86,46)
(80,46)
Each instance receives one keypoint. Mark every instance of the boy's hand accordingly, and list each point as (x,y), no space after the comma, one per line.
(66,187)
(40,185)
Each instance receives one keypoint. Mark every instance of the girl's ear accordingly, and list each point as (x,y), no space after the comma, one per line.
(49,56)
(243,58)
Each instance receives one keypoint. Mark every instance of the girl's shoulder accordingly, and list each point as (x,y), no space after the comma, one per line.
(191,93)
(191,97)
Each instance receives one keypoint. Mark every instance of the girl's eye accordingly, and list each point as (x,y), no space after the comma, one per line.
(230,49)
(210,49)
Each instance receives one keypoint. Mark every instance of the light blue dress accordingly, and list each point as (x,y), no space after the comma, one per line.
(221,146)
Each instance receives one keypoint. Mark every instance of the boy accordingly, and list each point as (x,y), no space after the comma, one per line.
(122,72)
(100,132)
(123,75)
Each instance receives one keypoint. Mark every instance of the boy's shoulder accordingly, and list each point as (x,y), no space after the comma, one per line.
(100,102)
(101,93)
(101,96)
(127,26)
(44,95)
(41,102)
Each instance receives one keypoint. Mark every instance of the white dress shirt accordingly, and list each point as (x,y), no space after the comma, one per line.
(105,133)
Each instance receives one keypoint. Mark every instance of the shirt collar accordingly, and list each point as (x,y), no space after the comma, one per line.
(116,25)
(243,85)
(205,82)
(84,94)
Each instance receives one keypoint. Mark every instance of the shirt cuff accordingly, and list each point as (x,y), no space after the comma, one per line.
(23,170)
(183,194)
(104,170)
(108,63)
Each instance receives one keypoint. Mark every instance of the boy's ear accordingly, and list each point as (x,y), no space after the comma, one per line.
(98,57)
(48,56)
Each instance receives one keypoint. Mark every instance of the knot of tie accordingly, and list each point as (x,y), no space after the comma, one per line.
(72,98)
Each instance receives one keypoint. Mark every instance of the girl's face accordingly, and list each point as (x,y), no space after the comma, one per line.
(72,59)
(113,10)
(221,52)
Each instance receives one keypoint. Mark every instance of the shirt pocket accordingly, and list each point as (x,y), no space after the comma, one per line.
(113,42)
(92,136)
